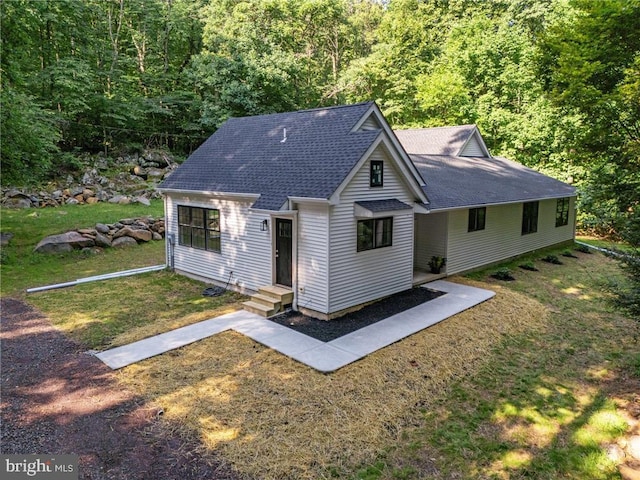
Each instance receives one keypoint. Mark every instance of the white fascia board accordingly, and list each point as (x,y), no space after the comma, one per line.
(407,169)
(309,200)
(417,208)
(394,141)
(382,138)
(495,204)
(335,196)
(232,195)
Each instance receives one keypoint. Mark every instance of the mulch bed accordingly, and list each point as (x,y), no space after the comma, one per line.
(56,399)
(326,331)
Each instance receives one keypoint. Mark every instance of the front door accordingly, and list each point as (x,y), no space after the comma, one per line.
(284,243)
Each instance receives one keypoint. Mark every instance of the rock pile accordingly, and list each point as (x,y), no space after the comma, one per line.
(126,232)
(135,182)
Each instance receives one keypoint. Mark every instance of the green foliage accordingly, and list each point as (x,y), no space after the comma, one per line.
(553,84)
(552,259)
(29,138)
(504,274)
(22,268)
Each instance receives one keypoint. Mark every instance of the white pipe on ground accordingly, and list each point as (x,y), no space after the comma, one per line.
(106,276)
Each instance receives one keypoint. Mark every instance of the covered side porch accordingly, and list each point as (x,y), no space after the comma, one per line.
(430,247)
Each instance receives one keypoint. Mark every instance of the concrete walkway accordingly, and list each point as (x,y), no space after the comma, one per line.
(325,357)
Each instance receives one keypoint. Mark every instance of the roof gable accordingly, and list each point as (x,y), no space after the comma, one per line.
(462,140)
(301,154)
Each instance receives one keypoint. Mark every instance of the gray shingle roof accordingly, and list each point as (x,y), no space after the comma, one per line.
(388,205)
(455,182)
(248,155)
(435,141)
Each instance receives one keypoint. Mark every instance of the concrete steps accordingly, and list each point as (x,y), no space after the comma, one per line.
(269,301)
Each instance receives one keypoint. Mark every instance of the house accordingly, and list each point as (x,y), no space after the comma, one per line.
(328,208)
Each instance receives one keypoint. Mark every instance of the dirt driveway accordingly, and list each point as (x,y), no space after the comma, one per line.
(56,399)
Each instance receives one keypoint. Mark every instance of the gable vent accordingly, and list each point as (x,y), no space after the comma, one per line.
(473,148)
(370,123)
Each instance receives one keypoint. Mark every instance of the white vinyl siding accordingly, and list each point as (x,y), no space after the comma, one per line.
(430,238)
(502,237)
(358,277)
(472,148)
(313,254)
(371,123)
(245,249)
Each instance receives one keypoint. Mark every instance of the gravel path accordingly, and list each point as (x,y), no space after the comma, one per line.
(58,400)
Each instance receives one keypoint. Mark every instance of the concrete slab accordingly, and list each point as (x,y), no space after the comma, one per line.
(325,357)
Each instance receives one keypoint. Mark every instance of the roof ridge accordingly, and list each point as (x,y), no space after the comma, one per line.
(308,110)
(417,129)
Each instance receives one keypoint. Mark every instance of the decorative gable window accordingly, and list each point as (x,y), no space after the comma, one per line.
(529,217)
(376,173)
(562,212)
(375,233)
(477,218)
(199,228)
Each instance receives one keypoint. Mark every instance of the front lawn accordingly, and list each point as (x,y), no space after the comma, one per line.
(529,384)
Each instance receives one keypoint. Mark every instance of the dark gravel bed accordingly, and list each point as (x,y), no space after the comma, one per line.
(326,331)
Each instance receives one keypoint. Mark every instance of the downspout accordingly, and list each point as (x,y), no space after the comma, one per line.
(170,238)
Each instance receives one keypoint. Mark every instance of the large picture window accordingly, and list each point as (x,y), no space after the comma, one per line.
(477,218)
(375,233)
(562,212)
(529,217)
(199,228)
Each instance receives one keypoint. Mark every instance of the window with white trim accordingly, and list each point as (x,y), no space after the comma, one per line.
(199,228)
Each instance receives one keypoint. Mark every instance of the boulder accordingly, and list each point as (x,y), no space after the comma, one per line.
(102,228)
(17,199)
(64,242)
(633,447)
(5,238)
(102,240)
(123,242)
(139,235)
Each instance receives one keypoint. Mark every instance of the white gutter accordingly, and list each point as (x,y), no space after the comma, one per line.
(497,204)
(203,193)
(107,276)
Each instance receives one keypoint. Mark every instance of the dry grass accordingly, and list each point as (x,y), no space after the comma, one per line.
(273,418)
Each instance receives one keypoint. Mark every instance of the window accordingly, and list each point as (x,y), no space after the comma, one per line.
(375,233)
(476,218)
(376,173)
(562,212)
(199,228)
(529,217)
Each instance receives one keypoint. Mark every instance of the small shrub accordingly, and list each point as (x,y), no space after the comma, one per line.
(437,263)
(504,274)
(529,266)
(583,249)
(552,259)
(568,254)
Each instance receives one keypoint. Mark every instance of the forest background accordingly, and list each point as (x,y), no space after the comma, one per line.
(553,84)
